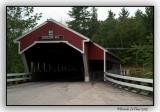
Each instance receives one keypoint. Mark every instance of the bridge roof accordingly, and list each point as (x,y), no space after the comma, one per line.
(74,39)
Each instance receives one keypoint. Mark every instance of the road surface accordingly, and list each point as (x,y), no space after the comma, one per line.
(72,93)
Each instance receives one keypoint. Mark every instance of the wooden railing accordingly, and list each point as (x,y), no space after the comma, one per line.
(130,82)
(18,77)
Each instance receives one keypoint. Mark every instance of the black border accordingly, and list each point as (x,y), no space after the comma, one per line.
(153,96)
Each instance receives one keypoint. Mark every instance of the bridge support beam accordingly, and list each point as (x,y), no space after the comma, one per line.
(86,73)
(25,63)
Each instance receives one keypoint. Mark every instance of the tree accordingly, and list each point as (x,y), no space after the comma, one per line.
(19,20)
(81,18)
(93,23)
(138,14)
(105,32)
(111,15)
(136,34)
(123,14)
(149,19)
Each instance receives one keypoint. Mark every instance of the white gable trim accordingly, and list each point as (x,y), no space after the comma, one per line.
(105,50)
(20,52)
(69,29)
(84,37)
(100,47)
(74,47)
(36,42)
(16,40)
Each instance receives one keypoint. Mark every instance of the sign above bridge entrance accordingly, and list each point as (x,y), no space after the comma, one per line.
(51,36)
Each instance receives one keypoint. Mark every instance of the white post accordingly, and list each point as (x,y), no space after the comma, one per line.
(86,73)
(25,63)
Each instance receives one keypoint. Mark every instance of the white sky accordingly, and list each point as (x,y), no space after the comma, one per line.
(60,13)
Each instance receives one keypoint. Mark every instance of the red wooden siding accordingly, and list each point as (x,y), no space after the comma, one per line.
(34,36)
(74,39)
(69,36)
(95,53)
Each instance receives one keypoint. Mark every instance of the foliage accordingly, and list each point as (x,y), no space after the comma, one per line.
(84,21)
(93,23)
(123,15)
(134,33)
(19,20)
(80,22)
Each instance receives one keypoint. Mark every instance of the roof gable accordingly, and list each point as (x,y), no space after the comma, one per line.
(51,20)
(74,38)
(79,39)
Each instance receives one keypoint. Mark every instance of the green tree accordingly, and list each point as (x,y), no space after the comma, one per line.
(135,34)
(105,32)
(138,14)
(111,15)
(149,19)
(19,20)
(123,14)
(81,18)
(93,23)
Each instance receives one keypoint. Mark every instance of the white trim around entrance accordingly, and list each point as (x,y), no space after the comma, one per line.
(36,42)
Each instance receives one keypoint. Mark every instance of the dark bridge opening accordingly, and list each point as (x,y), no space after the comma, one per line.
(96,70)
(55,62)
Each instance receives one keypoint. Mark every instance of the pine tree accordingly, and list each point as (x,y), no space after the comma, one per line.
(111,15)
(148,19)
(139,14)
(123,14)
(105,32)
(80,22)
(94,24)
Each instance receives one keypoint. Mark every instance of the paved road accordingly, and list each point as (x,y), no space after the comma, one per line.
(72,93)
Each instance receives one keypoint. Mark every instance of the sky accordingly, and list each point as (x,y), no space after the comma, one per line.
(60,14)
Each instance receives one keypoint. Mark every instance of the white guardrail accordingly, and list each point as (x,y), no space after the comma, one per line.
(129,81)
(14,77)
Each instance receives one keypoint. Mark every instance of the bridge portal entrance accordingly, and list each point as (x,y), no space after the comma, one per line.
(54,62)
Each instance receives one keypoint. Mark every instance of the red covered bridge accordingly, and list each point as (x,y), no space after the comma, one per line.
(54,51)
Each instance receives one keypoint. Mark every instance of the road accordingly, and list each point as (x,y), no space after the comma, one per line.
(72,93)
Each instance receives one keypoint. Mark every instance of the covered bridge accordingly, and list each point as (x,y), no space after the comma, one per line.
(54,51)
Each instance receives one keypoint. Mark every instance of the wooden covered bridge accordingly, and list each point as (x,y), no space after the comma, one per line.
(54,51)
